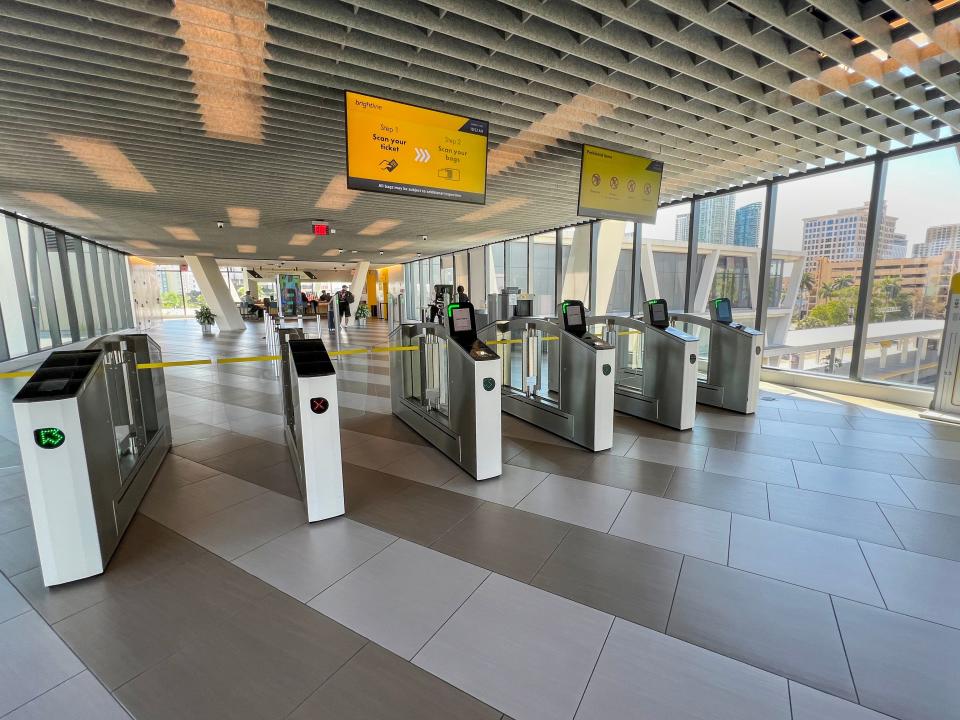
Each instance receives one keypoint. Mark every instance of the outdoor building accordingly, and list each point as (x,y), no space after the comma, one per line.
(841,235)
(940,238)
(746,227)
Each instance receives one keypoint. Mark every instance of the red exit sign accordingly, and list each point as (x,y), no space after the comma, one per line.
(320,227)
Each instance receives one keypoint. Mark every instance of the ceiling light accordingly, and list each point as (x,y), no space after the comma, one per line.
(286,257)
(244,217)
(397,244)
(183,233)
(226,55)
(142,244)
(354,252)
(497,208)
(378,227)
(301,239)
(337,196)
(331,252)
(246,249)
(106,161)
(59,205)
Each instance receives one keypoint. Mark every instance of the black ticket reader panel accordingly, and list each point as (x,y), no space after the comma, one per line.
(721,310)
(657,314)
(574,317)
(462,325)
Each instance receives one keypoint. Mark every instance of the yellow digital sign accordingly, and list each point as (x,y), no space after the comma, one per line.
(407,150)
(618,185)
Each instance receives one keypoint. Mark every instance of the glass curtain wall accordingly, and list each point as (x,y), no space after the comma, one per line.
(46,283)
(575,244)
(478,278)
(517,258)
(911,279)
(461,273)
(180,294)
(613,267)
(544,275)
(663,255)
(820,231)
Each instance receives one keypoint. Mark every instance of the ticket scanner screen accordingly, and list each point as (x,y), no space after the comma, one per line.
(657,313)
(574,317)
(462,323)
(461,320)
(721,311)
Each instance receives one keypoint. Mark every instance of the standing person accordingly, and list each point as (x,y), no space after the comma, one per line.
(344,298)
(462,296)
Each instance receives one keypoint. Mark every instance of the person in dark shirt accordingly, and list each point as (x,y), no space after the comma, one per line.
(462,296)
(344,298)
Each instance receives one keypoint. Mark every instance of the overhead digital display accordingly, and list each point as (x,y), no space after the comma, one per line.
(618,186)
(408,150)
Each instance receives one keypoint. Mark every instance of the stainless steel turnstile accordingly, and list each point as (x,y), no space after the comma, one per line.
(656,370)
(93,430)
(445,389)
(557,378)
(729,361)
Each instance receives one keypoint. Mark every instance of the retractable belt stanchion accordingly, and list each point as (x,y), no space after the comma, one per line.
(946,395)
(312,427)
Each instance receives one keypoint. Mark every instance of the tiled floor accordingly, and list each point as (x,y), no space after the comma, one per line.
(800,564)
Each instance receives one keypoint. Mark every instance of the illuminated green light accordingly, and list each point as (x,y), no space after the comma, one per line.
(49,438)
(451,307)
(563,307)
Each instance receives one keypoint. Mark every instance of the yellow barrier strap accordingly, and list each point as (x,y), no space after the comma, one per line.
(630,332)
(251,358)
(18,374)
(173,363)
(504,342)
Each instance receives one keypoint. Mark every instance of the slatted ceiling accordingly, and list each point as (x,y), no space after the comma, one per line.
(220,104)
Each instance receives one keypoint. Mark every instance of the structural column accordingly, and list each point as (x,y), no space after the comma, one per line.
(216,294)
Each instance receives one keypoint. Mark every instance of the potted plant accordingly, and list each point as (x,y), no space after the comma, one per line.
(363,312)
(206,319)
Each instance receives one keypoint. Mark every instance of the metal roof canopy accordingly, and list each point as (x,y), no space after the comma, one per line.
(150,120)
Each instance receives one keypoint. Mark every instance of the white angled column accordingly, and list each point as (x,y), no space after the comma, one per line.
(216,294)
(359,284)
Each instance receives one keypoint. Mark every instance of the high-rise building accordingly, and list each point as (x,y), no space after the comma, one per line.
(939,239)
(716,220)
(682,232)
(843,234)
(746,227)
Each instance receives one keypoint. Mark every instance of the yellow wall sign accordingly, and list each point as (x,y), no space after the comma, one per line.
(619,186)
(407,150)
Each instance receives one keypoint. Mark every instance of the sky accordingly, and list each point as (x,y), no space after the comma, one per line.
(922,190)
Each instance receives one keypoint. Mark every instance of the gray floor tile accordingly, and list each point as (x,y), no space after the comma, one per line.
(946,449)
(79,698)
(751,466)
(400,597)
(425,465)
(865,459)
(188,433)
(925,532)
(804,557)
(260,661)
(697,435)
(834,514)
(212,447)
(872,440)
(901,664)
(525,651)
(824,406)
(12,485)
(621,577)
(623,472)
(512,486)
(18,551)
(642,673)
(818,419)
(901,426)
(577,502)
(801,433)
(240,528)
(177,470)
(378,684)
(919,585)
(849,482)
(930,495)
(810,704)
(549,458)
(14,514)
(671,525)
(785,629)
(307,560)
(248,459)
(667,452)
(722,492)
(933,468)
(11,602)
(33,660)
(418,512)
(178,507)
(507,541)
(724,420)
(777,446)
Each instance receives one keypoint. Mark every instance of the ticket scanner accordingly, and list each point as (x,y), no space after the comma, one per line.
(557,375)
(656,366)
(445,388)
(730,357)
(93,429)
(946,395)
(312,425)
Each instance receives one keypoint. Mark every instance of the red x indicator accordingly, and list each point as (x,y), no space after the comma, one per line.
(319,405)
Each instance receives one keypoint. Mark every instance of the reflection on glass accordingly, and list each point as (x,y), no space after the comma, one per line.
(613,267)
(11,268)
(516,261)
(575,263)
(33,247)
(545,274)
(663,255)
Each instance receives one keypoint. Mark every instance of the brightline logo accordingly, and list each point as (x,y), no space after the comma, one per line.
(367,105)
